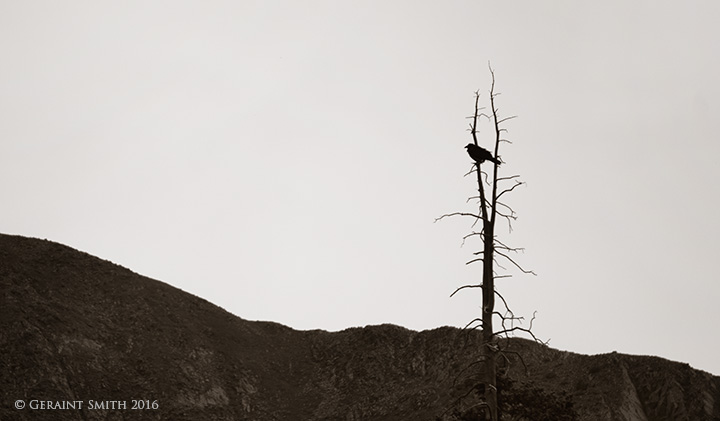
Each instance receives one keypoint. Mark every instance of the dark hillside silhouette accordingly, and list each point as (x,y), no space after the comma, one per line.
(76,327)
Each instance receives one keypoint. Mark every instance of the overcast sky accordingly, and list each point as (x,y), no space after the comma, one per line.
(286,160)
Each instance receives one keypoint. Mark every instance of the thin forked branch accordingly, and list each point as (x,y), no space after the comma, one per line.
(517,183)
(500,245)
(515,263)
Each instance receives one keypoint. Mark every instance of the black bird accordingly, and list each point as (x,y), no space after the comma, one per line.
(479,154)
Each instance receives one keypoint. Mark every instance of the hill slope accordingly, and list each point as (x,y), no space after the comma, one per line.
(77,328)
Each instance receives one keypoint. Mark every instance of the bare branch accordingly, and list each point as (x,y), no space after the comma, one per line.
(447,215)
(474,233)
(505,316)
(475,116)
(509,221)
(533,318)
(505,119)
(480,114)
(522,329)
(510,215)
(515,263)
(503,300)
(504,246)
(517,183)
(506,207)
(465,286)
(472,170)
(510,249)
(498,263)
(473,321)
(479,259)
(486,177)
(507,178)
(508,316)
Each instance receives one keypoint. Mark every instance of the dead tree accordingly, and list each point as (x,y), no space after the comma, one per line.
(493,251)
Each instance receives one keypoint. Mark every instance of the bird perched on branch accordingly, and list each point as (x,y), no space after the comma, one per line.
(479,154)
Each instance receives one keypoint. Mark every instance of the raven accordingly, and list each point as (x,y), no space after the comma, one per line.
(479,154)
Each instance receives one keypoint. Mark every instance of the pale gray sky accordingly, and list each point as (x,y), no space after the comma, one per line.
(286,160)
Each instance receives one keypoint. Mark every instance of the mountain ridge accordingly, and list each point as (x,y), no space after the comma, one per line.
(77,327)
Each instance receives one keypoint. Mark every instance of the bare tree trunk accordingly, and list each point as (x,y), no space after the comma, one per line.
(488,337)
(488,282)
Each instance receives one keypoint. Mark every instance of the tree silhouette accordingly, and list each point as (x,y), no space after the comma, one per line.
(493,251)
